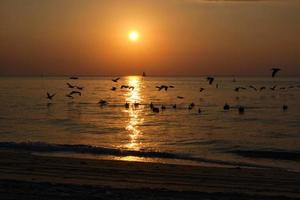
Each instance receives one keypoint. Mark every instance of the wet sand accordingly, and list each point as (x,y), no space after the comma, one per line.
(25,176)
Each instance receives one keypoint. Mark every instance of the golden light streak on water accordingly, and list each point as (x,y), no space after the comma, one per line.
(135,119)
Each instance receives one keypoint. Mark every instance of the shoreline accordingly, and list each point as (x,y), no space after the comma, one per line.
(22,170)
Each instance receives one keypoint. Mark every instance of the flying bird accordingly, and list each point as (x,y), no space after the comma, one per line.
(113,88)
(226,107)
(162,87)
(262,88)
(79,88)
(273,88)
(103,102)
(124,86)
(210,80)
(191,106)
(116,79)
(50,96)
(70,86)
(275,71)
(241,110)
(254,88)
(75,92)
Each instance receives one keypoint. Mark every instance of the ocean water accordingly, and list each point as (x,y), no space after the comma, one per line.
(264,136)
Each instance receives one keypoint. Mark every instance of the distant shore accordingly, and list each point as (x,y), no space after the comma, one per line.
(25,176)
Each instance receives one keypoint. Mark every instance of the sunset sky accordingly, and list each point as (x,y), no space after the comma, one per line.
(176,37)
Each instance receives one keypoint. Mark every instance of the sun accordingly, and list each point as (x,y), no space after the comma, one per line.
(133,36)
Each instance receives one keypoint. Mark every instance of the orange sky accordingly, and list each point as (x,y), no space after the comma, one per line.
(178,37)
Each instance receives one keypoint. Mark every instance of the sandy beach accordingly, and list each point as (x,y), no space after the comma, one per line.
(26,176)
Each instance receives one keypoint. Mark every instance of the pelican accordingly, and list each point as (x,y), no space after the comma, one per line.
(50,96)
(275,71)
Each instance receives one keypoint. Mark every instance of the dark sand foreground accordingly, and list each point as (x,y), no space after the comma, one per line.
(25,176)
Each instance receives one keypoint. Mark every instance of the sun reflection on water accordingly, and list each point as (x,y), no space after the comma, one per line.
(135,119)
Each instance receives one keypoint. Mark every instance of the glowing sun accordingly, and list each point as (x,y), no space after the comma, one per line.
(133,36)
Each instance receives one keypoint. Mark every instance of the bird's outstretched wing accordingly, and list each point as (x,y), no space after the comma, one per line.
(275,71)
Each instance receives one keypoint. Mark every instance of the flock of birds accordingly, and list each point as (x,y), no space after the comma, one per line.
(76,90)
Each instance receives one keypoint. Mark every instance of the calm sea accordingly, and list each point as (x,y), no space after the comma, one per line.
(264,136)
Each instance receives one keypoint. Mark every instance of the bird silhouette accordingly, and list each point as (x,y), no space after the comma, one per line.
(70,86)
(50,96)
(70,96)
(180,97)
(124,86)
(155,109)
(174,106)
(75,92)
(202,89)
(275,71)
(74,77)
(285,107)
(126,105)
(226,107)
(162,87)
(254,88)
(79,88)
(273,88)
(116,79)
(191,106)
(262,88)
(131,87)
(103,102)
(199,111)
(210,80)
(151,105)
(163,107)
(113,88)
(241,110)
